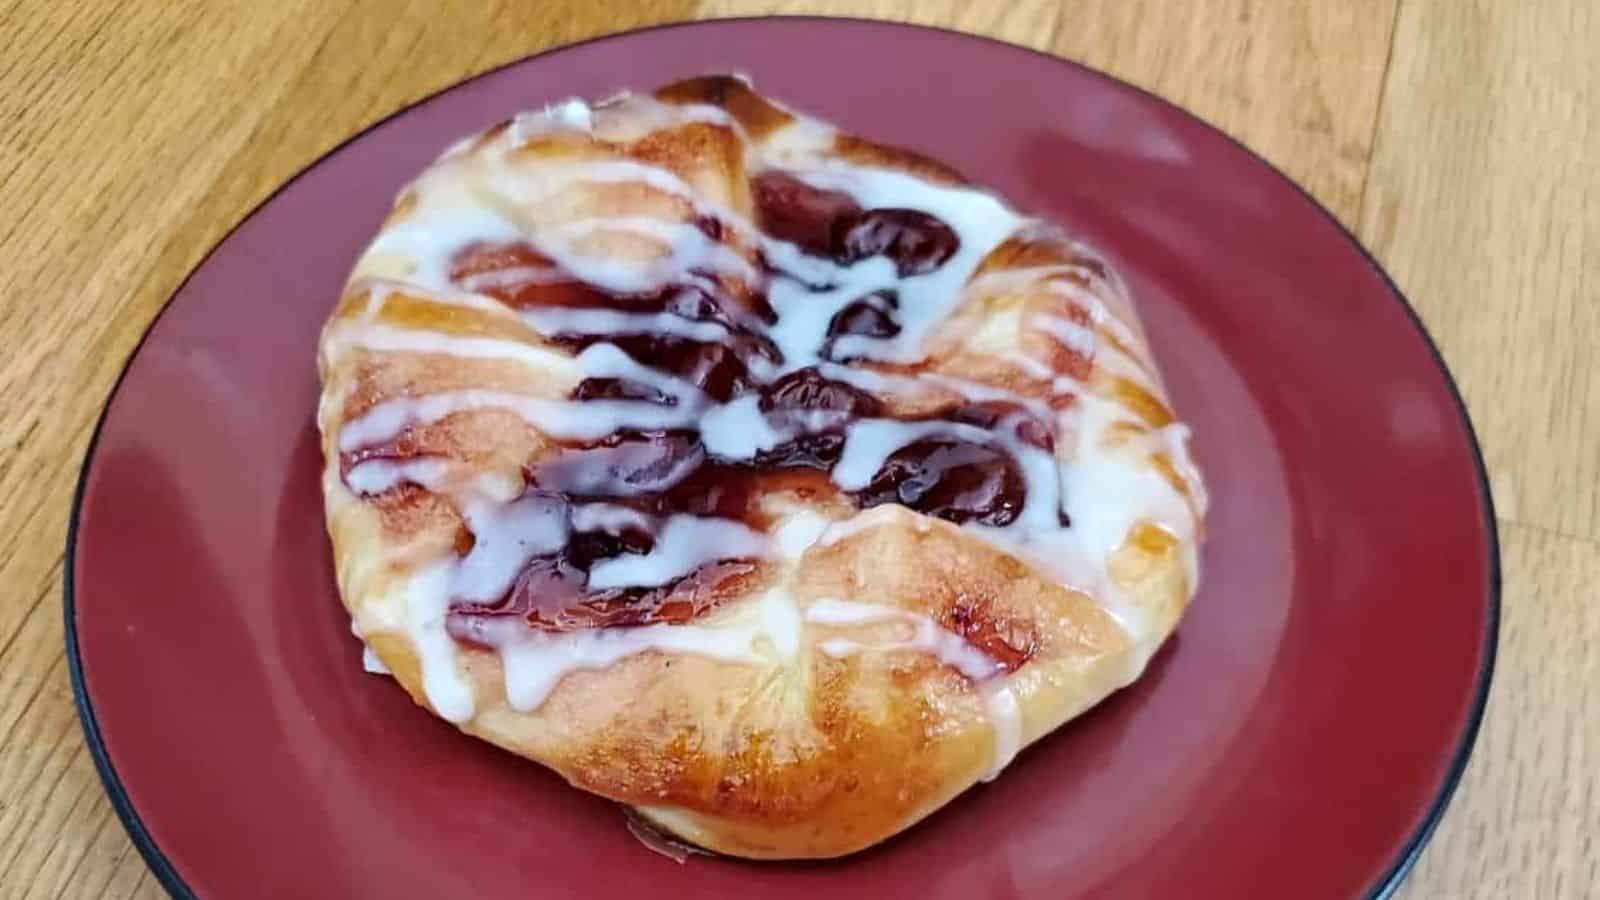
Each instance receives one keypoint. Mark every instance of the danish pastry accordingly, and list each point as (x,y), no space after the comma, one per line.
(773,482)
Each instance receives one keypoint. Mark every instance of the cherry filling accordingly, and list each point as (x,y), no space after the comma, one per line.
(521,277)
(720,370)
(819,451)
(805,394)
(404,446)
(831,224)
(954,480)
(662,473)
(793,211)
(622,466)
(916,242)
(552,592)
(643,478)
(869,317)
(1001,415)
(622,389)
(482,257)
(1001,643)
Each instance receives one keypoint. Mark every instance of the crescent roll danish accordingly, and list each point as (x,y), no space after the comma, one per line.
(775,483)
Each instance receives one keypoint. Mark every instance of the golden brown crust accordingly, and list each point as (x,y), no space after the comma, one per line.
(863,152)
(806,752)
(758,116)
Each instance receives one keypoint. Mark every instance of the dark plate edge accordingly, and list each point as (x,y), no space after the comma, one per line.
(1382,890)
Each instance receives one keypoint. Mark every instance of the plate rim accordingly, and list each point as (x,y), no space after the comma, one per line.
(1386,885)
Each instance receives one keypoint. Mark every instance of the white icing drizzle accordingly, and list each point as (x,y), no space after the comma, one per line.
(572,116)
(1005,718)
(799,533)
(556,320)
(1036,369)
(371,662)
(869,442)
(443,683)
(780,623)
(640,114)
(861,521)
(563,419)
(374,476)
(508,535)
(512,277)
(980,221)
(536,663)
(1074,337)
(379,290)
(1081,339)
(684,544)
(972,390)
(926,636)
(1174,440)
(382,338)
(481,197)
(608,517)
(606,361)
(688,248)
(427,239)
(738,430)
(369,659)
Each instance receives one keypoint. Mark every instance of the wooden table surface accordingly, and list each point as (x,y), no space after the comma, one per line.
(1460,140)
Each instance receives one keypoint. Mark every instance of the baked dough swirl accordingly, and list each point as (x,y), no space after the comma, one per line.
(773,482)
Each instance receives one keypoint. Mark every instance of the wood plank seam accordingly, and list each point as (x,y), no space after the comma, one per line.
(57,662)
(116,863)
(88,848)
(52,586)
(71,729)
(1588,540)
(1375,133)
(62,845)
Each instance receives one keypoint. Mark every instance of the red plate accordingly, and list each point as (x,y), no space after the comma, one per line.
(1299,736)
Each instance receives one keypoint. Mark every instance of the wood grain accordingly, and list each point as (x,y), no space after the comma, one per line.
(1460,138)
